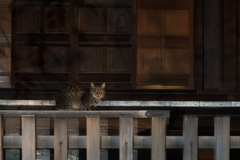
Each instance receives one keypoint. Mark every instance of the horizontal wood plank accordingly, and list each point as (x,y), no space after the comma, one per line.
(1,137)
(112,142)
(75,114)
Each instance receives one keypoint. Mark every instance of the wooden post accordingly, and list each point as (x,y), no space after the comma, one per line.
(104,132)
(93,137)
(28,137)
(158,138)
(60,138)
(1,137)
(222,135)
(126,137)
(212,45)
(190,134)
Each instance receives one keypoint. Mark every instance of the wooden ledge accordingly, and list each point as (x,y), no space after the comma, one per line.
(79,114)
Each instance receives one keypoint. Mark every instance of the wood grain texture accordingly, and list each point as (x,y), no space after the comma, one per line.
(78,114)
(229,46)
(93,137)
(190,134)
(198,45)
(1,137)
(212,46)
(238,43)
(60,138)
(158,138)
(164,44)
(112,142)
(28,137)
(222,135)
(126,137)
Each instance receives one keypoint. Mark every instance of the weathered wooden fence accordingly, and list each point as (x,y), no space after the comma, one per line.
(93,142)
(126,142)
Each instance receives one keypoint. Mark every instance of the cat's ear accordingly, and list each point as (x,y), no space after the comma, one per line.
(92,85)
(103,85)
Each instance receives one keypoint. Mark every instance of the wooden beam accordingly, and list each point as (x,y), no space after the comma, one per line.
(77,142)
(230,72)
(1,137)
(175,142)
(190,134)
(212,46)
(126,137)
(60,138)
(206,142)
(112,142)
(222,135)
(83,114)
(198,45)
(235,142)
(158,138)
(93,137)
(28,137)
(45,142)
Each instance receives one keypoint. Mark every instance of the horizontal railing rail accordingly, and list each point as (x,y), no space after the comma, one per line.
(29,141)
(126,141)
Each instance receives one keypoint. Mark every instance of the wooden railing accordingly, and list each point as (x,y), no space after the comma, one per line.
(61,142)
(126,142)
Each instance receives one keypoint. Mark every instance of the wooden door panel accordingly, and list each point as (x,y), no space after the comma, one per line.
(164,44)
(90,59)
(28,59)
(90,20)
(36,59)
(177,22)
(56,59)
(177,61)
(118,60)
(41,43)
(119,20)
(149,22)
(56,19)
(149,61)
(28,19)
(105,48)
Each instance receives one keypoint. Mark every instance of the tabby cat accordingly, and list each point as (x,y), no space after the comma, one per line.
(74,97)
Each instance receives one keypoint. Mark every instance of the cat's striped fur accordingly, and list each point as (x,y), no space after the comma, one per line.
(74,97)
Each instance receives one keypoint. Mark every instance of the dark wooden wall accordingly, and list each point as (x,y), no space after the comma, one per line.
(127,44)
(138,47)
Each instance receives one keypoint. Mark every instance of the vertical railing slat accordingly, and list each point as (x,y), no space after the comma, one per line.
(60,138)
(190,134)
(158,137)
(126,137)
(1,137)
(222,135)
(93,137)
(28,137)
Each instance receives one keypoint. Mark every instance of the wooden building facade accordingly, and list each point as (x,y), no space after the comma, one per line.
(187,46)
(146,51)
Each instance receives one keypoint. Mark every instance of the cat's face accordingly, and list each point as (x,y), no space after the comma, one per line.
(97,91)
